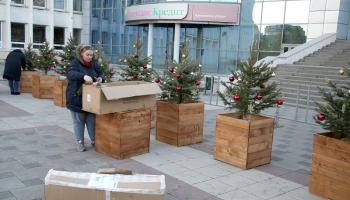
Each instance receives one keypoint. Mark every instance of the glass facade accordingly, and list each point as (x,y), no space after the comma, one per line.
(268,25)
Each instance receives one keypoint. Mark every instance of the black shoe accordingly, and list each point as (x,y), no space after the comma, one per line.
(12,93)
(16,93)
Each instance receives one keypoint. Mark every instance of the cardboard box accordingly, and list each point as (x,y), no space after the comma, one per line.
(61,185)
(119,96)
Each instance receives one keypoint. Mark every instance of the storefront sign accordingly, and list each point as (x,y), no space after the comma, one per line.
(157,11)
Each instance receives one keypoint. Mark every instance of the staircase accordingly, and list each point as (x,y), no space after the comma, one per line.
(299,82)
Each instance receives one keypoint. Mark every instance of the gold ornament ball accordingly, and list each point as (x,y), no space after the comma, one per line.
(183,55)
(349,92)
(341,72)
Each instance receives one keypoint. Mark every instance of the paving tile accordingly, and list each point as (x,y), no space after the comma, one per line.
(236,181)
(10,183)
(6,175)
(273,170)
(213,171)
(214,187)
(54,157)
(271,187)
(255,175)
(80,162)
(9,148)
(6,195)
(305,163)
(191,177)
(29,193)
(32,182)
(238,195)
(198,162)
(302,194)
(31,165)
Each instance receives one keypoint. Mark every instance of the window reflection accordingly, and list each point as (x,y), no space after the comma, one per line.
(297,11)
(273,12)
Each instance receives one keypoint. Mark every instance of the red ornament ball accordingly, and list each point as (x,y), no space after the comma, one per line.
(178,88)
(178,76)
(279,102)
(231,77)
(145,66)
(258,97)
(320,117)
(236,97)
(157,80)
(197,82)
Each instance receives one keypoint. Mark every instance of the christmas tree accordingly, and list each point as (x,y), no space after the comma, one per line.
(103,63)
(45,59)
(180,81)
(67,56)
(334,114)
(137,68)
(249,90)
(28,53)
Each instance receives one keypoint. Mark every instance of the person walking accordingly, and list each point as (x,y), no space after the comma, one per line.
(14,63)
(83,69)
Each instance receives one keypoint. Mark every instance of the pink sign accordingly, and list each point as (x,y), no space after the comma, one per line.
(211,13)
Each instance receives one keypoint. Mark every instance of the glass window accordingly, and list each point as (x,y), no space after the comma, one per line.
(257,13)
(17,34)
(273,12)
(77,35)
(17,1)
(58,38)
(38,34)
(78,5)
(59,4)
(39,3)
(95,36)
(297,11)
(0,34)
(248,34)
(271,36)
(294,34)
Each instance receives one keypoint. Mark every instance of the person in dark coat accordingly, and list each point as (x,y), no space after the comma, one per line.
(83,69)
(15,60)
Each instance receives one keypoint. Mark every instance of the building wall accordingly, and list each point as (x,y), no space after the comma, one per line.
(48,17)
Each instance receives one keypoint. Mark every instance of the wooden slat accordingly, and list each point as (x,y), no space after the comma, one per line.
(42,86)
(125,134)
(26,81)
(179,124)
(234,143)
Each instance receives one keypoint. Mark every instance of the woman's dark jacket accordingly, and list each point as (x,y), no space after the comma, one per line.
(14,61)
(75,76)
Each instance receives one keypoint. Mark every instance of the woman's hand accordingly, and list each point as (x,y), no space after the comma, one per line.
(88,79)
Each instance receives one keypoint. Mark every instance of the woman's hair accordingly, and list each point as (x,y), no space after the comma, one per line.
(81,49)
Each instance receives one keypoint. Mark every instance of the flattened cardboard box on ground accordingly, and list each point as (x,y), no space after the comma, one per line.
(62,185)
(119,96)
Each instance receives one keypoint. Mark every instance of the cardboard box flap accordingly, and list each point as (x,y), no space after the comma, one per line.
(138,183)
(125,91)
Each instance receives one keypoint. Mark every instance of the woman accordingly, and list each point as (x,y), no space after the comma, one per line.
(83,69)
(12,72)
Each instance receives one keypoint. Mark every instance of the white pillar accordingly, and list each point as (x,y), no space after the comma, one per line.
(29,25)
(7,28)
(69,30)
(177,42)
(150,42)
(50,27)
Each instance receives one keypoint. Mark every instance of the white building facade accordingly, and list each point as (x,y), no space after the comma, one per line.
(36,21)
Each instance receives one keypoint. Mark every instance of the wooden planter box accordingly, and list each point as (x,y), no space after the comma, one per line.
(179,124)
(124,134)
(242,143)
(153,116)
(330,168)
(59,93)
(26,81)
(42,86)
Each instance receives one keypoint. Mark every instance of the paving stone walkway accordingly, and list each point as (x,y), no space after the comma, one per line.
(36,136)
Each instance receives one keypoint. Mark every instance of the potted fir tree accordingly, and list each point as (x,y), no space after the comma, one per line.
(103,63)
(244,138)
(137,70)
(44,61)
(59,89)
(26,75)
(330,167)
(179,114)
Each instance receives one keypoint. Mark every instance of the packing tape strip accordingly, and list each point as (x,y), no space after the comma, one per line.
(108,195)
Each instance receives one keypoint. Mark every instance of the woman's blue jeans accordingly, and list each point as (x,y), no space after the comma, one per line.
(13,85)
(80,119)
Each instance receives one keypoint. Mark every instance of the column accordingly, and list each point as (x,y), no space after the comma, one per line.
(29,25)
(7,27)
(69,30)
(50,28)
(150,42)
(177,42)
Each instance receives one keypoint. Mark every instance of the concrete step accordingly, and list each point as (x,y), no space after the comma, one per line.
(321,79)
